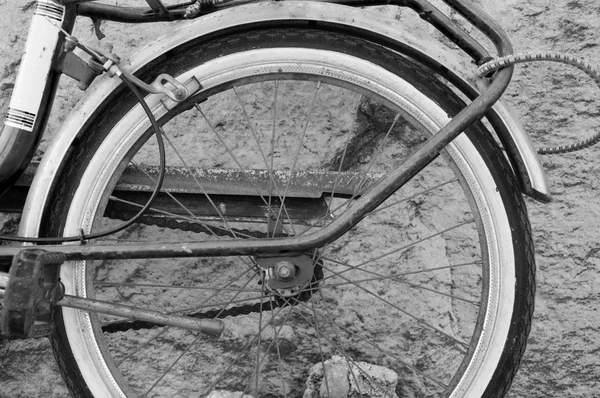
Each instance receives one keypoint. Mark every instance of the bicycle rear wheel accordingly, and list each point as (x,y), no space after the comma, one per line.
(431,294)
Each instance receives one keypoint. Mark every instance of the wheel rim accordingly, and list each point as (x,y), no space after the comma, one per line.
(420,356)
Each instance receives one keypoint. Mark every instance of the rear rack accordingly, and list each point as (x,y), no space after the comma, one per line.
(157,11)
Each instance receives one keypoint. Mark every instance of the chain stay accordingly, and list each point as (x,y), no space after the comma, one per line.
(34,288)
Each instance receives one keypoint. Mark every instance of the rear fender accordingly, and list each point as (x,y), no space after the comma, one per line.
(378,28)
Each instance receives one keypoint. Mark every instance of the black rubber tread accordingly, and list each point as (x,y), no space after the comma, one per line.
(178,60)
(524,273)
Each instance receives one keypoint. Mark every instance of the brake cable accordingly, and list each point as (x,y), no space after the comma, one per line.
(162,166)
(499,63)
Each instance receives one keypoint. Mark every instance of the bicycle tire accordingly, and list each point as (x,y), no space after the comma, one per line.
(387,85)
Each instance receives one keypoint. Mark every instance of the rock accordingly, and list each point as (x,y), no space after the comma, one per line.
(336,385)
(360,379)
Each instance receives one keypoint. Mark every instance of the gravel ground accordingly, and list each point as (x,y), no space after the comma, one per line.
(557,104)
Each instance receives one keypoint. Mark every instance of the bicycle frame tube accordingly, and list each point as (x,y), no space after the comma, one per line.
(34,89)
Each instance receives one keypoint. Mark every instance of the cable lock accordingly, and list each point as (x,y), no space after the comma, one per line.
(588,69)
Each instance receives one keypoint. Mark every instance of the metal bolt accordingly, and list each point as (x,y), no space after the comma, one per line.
(180,94)
(285,270)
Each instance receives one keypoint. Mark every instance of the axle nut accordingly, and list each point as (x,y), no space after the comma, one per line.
(285,271)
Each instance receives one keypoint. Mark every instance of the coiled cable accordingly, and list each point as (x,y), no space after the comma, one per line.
(499,63)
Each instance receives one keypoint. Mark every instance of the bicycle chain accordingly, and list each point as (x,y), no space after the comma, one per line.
(196,227)
(247,309)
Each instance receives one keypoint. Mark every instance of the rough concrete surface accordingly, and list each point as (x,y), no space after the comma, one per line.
(557,104)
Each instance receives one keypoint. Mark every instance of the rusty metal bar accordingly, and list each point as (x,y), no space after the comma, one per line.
(211,327)
(302,211)
(255,182)
(207,326)
(230,184)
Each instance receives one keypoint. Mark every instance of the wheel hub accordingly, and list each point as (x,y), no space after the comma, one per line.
(285,271)
(287,276)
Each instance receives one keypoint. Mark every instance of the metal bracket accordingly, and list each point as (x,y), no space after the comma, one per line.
(287,273)
(163,84)
(84,72)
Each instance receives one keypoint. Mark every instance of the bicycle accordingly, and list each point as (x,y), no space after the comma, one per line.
(268,216)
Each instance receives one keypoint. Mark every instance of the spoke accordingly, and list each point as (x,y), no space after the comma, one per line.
(146,343)
(167,192)
(341,351)
(276,335)
(159,286)
(402,200)
(233,300)
(407,246)
(331,212)
(235,159)
(214,206)
(272,182)
(337,335)
(419,320)
(380,149)
(459,265)
(252,128)
(393,278)
(411,197)
(187,348)
(317,331)
(374,345)
(342,160)
(398,276)
(260,320)
(297,155)
(224,305)
(452,296)
(276,340)
(272,153)
(365,173)
(242,352)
